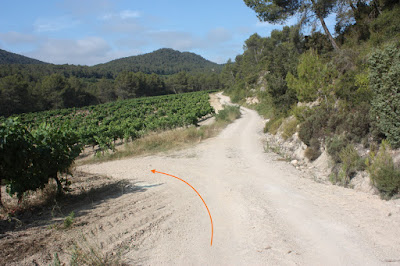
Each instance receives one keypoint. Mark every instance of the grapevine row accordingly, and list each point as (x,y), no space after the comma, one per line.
(129,119)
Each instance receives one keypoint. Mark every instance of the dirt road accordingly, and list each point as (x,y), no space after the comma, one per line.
(264,212)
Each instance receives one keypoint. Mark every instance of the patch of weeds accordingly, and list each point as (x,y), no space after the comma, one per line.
(56,260)
(69,220)
(87,253)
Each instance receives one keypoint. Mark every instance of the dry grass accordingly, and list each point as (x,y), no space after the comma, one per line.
(87,252)
(30,201)
(157,142)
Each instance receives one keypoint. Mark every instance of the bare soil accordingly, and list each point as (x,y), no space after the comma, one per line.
(265,212)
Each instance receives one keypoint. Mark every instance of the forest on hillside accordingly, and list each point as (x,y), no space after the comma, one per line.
(11,58)
(337,90)
(161,62)
(28,85)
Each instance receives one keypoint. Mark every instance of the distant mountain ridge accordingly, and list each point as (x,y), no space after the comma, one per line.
(164,61)
(11,58)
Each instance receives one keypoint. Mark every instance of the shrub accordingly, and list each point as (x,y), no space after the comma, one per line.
(69,220)
(273,125)
(314,126)
(28,159)
(312,154)
(266,106)
(229,113)
(289,128)
(357,123)
(384,174)
(301,113)
(386,26)
(351,162)
(354,122)
(313,151)
(385,83)
(335,145)
(313,78)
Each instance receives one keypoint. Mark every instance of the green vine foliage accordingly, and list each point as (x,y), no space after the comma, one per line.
(28,159)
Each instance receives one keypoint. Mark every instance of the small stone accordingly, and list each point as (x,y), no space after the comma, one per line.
(294,162)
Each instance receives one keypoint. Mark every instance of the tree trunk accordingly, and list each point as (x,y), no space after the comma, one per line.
(335,46)
(377,7)
(59,185)
(352,6)
(1,203)
(321,19)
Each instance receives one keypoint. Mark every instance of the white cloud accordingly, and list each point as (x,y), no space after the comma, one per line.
(218,59)
(116,54)
(106,17)
(125,26)
(83,8)
(219,35)
(14,38)
(174,39)
(89,51)
(125,14)
(131,42)
(55,24)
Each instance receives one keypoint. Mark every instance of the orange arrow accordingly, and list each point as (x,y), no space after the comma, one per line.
(212,226)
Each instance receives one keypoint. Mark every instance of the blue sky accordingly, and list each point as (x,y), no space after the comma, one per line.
(89,32)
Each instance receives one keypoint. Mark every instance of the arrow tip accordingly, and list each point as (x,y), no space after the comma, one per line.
(154,171)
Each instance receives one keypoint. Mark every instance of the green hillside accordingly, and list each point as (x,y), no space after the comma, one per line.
(11,58)
(37,87)
(162,62)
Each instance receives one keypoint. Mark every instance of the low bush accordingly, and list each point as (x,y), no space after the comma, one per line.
(383,172)
(315,125)
(266,107)
(301,112)
(69,220)
(229,113)
(313,151)
(289,128)
(273,125)
(353,122)
(335,145)
(351,163)
(347,160)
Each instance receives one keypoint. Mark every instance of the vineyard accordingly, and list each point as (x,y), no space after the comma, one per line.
(129,119)
(35,147)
